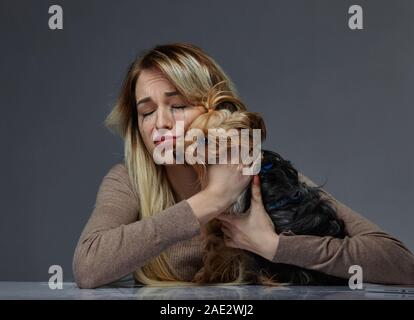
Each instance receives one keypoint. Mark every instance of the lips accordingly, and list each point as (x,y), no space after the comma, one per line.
(160,139)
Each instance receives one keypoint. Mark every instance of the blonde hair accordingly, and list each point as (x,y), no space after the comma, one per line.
(195,76)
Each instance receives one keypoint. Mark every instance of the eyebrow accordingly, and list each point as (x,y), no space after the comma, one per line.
(167,94)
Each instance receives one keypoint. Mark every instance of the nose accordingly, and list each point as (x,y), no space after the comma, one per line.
(164,119)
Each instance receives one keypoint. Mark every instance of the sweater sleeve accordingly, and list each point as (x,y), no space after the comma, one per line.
(115,242)
(383,258)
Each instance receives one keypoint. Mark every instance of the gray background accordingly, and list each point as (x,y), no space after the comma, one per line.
(337,104)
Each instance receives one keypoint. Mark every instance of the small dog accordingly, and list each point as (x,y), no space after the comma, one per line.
(293,206)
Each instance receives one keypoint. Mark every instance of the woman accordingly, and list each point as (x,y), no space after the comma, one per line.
(148,218)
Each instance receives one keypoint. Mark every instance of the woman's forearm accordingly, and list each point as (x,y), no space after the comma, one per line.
(206,206)
(383,258)
(115,242)
(106,254)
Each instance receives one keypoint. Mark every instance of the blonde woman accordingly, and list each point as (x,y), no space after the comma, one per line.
(148,218)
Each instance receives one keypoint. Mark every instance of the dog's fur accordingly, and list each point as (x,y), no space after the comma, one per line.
(293,206)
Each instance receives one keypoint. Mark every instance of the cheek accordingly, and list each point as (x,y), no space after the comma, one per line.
(145,130)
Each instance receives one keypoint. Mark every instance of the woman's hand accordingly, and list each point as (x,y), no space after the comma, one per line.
(225,182)
(255,231)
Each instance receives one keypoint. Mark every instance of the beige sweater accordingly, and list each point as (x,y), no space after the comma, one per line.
(114,242)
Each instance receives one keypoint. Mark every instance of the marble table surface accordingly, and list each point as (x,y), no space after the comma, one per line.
(127,290)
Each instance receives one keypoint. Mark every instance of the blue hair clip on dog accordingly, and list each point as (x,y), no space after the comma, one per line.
(296,198)
(266,167)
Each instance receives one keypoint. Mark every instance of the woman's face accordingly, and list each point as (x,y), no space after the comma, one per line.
(160,106)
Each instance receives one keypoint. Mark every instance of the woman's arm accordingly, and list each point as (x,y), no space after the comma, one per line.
(383,258)
(114,244)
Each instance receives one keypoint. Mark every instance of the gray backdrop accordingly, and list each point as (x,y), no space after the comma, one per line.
(337,104)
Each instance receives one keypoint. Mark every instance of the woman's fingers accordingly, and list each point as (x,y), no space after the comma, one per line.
(226,228)
(224,217)
(228,235)
(228,239)
(256,194)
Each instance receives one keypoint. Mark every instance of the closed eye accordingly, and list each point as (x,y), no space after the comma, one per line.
(179,107)
(175,107)
(147,114)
